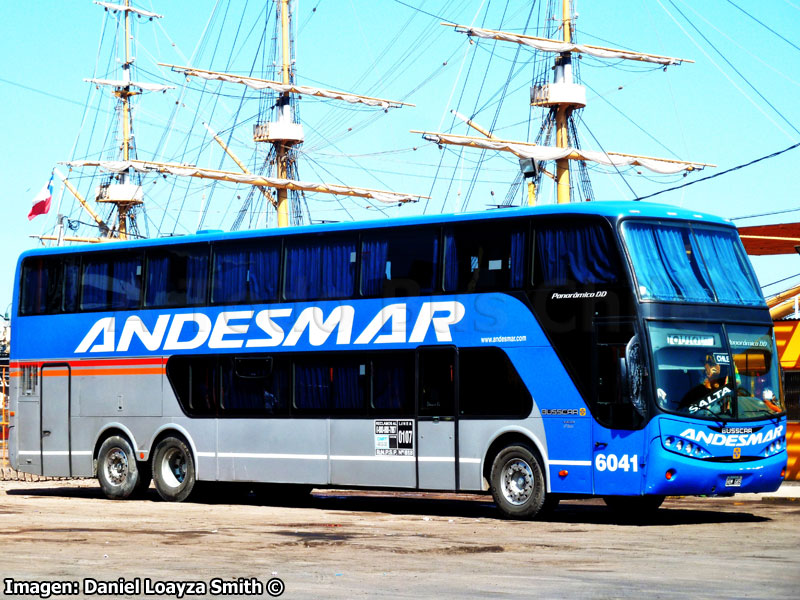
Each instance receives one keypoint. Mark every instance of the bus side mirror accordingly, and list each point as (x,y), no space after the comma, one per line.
(633,375)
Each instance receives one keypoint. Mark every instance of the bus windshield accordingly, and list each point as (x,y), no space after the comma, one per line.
(682,263)
(707,371)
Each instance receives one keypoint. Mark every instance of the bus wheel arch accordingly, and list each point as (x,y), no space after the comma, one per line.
(118,471)
(509,438)
(174,465)
(517,478)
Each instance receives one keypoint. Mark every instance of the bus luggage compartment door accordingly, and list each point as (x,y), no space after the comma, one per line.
(55,420)
(437,428)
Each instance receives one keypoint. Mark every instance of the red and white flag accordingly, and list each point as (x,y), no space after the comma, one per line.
(41,204)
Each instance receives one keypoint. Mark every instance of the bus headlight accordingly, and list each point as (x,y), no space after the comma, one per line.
(774,447)
(685,447)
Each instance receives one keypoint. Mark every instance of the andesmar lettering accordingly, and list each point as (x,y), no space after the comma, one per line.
(719,439)
(271,327)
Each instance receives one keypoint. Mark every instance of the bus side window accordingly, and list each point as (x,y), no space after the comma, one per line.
(195,381)
(246,272)
(177,277)
(253,385)
(332,386)
(95,279)
(41,286)
(574,254)
(319,268)
(486,257)
(399,264)
(393,384)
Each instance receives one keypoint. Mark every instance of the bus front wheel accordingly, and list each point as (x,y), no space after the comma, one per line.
(517,482)
(173,469)
(117,469)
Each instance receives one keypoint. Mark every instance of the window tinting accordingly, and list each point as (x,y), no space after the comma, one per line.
(324,385)
(319,268)
(399,264)
(195,380)
(42,286)
(574,254)
(72,284)
(252,385)
(485,256)
(437,372)
(230,386)
(246,272)
(111,281)
(393,383)
(489,385)
(177,277)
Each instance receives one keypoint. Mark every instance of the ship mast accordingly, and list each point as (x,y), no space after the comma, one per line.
(563,76)
(124,94)
(119,190)
(125,194)
(283,145)
(561,97)
(284,133)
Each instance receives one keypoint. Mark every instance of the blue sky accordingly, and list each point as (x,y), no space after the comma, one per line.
(703,111)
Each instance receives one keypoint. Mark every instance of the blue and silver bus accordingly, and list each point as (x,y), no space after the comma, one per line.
(602,349)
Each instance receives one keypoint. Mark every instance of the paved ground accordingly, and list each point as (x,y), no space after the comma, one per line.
(346,545)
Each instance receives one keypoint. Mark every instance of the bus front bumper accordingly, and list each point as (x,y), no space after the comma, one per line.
(672,474)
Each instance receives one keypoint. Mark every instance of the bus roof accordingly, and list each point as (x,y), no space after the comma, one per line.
(609,209)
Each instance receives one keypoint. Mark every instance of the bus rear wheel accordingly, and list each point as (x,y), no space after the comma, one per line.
(517,482)
(117,469)
(173,469)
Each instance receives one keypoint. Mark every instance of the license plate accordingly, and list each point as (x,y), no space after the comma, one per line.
(733,481)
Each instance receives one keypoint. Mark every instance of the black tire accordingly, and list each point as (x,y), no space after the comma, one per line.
(173,469)
(517,482)
(633,508)
(117,469)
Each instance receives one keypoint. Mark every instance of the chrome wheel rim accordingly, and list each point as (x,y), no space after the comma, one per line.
(116,466)
(517,482)
(173,467)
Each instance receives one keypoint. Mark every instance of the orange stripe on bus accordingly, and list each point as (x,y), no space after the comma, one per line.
(100,362)
(116,362)
(139,371)
(55,372)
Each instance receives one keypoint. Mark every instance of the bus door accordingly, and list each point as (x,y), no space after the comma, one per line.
(618,440)
(55,419)
(437,428)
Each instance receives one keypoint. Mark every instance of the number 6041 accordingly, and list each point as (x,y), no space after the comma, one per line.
(610,462)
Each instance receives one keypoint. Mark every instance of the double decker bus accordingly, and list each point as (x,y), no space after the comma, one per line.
(601,349)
